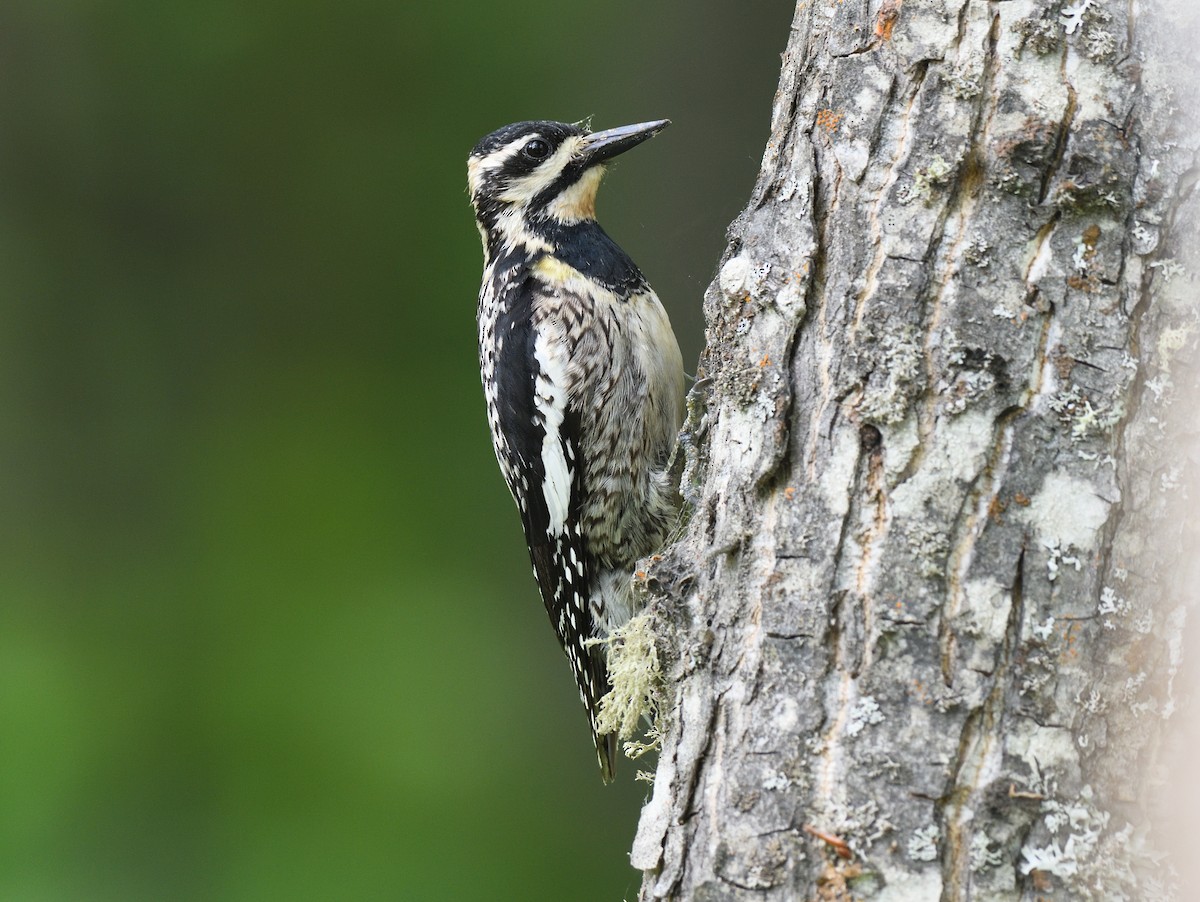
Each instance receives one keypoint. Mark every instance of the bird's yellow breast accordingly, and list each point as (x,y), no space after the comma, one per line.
(554,271)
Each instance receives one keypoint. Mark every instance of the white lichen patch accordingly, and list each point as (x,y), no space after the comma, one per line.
(1099,44)
(968,380)
(1169,269)
(1057,557)
(1066,511)
(1171,481)
(1009,308)
(864,713)
(1145,238)
(976,251)
(1092,421)
(1080,848)
(1087,20)
(1072,16)
(790,299)
(922,845)
(776,783)
(1084,253)
(738,278)
(963,84)
(1041,631)
(1039,32)
(1051,859)
(983,856)
(1091,701)
(862,823)
(1111,608)
(1161,387)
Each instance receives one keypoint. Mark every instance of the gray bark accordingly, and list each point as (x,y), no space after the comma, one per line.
(922,632)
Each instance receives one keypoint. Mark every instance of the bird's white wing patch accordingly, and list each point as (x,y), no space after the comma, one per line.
(550,401)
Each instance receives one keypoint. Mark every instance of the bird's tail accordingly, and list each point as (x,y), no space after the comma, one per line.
(598,687)
(606,752)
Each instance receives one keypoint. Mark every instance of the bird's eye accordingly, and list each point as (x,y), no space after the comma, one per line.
(537,149)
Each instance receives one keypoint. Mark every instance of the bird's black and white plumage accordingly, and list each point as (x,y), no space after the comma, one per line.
(583,381)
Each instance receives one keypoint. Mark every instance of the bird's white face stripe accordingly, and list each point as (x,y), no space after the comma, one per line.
(500,156)
(478,166)
(529,186)
(550,400)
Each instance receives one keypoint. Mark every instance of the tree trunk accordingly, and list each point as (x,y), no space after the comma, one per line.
(921,630)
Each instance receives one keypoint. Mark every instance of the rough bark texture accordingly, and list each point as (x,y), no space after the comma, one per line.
(927,604)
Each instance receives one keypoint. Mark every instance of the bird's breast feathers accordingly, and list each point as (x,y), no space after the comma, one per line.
(633,326)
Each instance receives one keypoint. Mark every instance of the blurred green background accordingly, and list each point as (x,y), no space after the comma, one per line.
(267,626)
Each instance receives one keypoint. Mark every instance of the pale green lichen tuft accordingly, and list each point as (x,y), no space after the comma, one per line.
(938,172)
(636,677)
(1075,409)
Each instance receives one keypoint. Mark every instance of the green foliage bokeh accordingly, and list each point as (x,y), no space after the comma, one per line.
(267,626)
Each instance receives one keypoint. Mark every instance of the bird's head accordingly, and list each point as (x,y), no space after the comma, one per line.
(529,175)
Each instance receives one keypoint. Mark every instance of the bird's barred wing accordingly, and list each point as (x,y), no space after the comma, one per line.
(537,436)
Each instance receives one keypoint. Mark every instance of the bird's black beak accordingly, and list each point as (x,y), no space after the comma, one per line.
(601,146)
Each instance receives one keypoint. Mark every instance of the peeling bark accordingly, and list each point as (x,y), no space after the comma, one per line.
(923,625)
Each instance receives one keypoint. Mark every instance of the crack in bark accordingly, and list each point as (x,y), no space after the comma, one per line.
(876,532)
(875,229)
(820,302)
(982,738)
(876,135)
(1062,136)
(961,31)
(969,526)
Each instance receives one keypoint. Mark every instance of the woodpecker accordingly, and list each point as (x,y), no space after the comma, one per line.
(583,381)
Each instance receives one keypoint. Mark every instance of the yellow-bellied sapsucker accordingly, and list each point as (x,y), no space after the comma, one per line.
(583,381)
